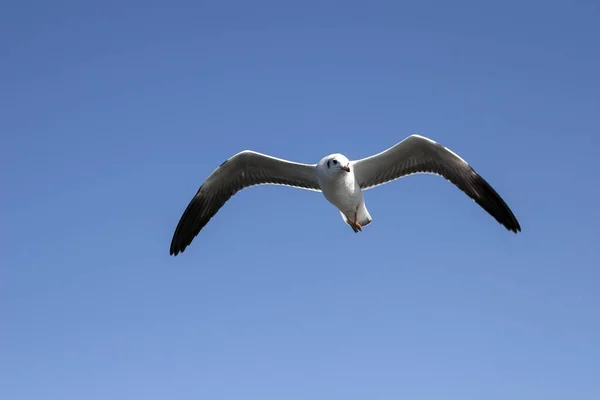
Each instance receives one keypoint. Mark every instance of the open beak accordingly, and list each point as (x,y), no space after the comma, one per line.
(346,168)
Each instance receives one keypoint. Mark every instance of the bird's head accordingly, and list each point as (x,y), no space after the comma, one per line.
(335,164)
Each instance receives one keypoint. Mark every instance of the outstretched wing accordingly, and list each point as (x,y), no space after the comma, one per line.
(418,154)
(245,169)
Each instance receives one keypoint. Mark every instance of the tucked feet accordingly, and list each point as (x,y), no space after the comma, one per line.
(355,224)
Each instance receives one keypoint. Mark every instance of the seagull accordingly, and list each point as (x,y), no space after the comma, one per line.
(341,182)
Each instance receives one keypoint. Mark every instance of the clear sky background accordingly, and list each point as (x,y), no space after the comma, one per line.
(113,113)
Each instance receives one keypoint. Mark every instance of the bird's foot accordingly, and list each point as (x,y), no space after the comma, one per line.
(355,224)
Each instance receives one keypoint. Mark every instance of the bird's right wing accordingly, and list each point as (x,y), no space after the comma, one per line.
(245,169)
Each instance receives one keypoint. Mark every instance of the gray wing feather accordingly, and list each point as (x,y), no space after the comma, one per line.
(245,169)
(417,154)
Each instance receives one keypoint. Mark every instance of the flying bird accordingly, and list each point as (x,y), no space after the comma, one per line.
(341,181)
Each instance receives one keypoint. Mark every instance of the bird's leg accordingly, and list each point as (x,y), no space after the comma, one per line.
(356,227)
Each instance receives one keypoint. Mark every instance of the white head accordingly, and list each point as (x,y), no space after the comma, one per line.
(334,164)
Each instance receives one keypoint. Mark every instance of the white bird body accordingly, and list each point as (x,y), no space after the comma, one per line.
(341,182)
(341,189)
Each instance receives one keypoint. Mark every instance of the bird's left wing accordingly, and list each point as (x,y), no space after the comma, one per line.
(245,169)
(418,154)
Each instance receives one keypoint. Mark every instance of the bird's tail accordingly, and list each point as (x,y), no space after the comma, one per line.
(364,218)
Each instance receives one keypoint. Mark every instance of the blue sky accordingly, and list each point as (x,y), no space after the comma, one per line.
(112,115)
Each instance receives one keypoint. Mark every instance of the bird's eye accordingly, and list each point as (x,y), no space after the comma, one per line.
(335,161)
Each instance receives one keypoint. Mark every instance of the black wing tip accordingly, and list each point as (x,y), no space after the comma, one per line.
(176,249)
(174,253)
(182,238)
(192,222)
(504,215)
(509,222)
(493,203)
(516,224)
(186,231)
(178,244)
(513,226)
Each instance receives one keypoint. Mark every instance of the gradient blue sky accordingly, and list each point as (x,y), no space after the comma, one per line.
(112,115)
